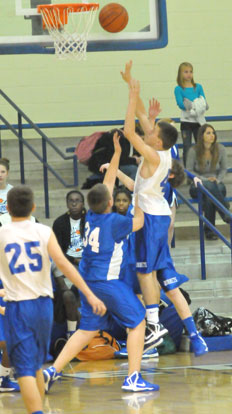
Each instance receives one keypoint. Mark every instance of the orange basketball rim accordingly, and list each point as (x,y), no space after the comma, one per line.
(57,14)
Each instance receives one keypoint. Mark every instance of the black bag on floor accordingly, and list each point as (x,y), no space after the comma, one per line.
(209,324)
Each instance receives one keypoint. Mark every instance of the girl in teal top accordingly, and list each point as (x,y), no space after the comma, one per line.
(190,98)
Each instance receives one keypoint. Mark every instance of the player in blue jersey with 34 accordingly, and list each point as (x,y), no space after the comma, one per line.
(102,266)
(25,251)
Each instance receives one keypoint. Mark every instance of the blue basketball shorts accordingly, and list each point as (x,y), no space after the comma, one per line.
(129,276)
(122,305)
(152,252)
(150,243)
(27,326)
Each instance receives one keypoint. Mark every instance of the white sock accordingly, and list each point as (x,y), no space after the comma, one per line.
(152,315)
(4,371)
(71,326)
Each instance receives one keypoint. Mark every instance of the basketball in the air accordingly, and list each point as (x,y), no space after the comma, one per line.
(113,17)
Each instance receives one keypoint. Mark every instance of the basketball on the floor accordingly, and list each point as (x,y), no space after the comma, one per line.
(113,17)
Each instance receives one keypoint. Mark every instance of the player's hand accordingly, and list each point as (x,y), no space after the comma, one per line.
(126,75)
(212,179)
(2,293)
(97,305)
(2,310)
(117,146)
(137,159)
(197,180)
(154,109)
(104,167)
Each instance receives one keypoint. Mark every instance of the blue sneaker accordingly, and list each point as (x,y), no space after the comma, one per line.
(151,353)
(122,353)
(6,385)
(135,383)
(199,346)
(50,376)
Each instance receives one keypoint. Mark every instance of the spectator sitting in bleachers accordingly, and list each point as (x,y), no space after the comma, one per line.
(208,161)
(4,186)
(68,229)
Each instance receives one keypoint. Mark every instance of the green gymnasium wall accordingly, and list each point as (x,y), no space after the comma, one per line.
(48,90)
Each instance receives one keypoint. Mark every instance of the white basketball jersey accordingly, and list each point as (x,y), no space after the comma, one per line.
(151,190)
(24,260)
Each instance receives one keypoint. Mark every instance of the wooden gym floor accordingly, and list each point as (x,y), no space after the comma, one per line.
(188,385)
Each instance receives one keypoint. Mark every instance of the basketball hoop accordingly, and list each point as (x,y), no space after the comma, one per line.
(69,26)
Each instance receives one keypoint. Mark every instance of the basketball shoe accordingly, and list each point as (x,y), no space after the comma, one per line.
(153,334)
(199,346)
(122,353)
(135,383)
(50,376)
(7,385)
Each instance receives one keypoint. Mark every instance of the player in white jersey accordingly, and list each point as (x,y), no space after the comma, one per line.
(152,251)
(25,251)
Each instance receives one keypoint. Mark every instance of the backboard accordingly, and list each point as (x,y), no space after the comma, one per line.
(21,29)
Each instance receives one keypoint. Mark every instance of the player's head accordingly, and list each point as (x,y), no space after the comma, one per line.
(75,203)
(20,201)
(4,170)
(122,200)
(176,174)
(99,199)
(164,135)
(185,73)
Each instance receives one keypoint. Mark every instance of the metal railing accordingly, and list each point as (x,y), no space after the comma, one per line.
(201,190)
(17,130)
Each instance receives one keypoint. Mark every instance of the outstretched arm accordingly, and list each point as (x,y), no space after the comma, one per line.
(125,179)
(111,173)
(145,150)
(140,111)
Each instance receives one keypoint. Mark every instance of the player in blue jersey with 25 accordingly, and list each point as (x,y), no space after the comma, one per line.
(102,266)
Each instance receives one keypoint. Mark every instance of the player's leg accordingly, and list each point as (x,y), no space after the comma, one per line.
(183,310)
(129,312)
(71,310)
(73,346)
(151,295)
(40,382)
(135,336)
(134,381)
(30,394)
(149,255)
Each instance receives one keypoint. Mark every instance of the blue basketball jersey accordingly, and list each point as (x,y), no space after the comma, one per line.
(105,246)
(175,152)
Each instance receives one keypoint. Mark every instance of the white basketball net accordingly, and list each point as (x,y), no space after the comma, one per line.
(70,40)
